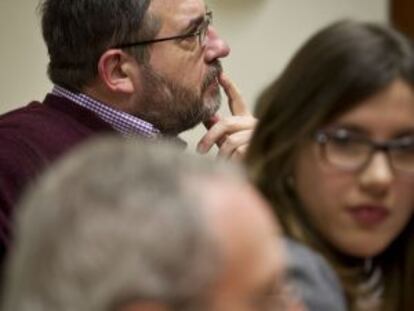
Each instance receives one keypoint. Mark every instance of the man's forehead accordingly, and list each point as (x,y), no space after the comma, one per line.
(237,205)
(177,13)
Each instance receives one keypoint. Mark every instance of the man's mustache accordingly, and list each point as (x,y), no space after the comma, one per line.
(213,73)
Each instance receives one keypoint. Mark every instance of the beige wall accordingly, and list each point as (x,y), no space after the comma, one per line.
(263,34)
(23,56)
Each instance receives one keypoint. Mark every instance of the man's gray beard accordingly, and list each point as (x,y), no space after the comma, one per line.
(173,108)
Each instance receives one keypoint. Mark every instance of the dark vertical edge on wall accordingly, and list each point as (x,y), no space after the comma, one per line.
(402,16)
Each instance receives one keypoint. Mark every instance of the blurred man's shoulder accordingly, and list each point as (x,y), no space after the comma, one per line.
(314,279)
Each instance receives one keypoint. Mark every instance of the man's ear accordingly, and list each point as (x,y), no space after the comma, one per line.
(117,70)
(145,306)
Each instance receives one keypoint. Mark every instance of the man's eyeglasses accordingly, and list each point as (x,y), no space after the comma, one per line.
(200,32)
(352,152)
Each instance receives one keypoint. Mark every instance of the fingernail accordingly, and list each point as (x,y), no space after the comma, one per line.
(222,77)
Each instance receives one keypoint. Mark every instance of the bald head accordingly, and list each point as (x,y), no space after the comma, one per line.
(248,238)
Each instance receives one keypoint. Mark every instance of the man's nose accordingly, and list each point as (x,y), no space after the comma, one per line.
(377,176)
(216,47)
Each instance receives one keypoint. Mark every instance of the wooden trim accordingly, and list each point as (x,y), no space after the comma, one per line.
(402,16)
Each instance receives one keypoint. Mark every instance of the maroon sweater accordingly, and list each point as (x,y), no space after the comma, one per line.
(30,139)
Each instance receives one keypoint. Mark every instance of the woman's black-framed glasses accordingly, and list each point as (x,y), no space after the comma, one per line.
(200,32)
(348,151)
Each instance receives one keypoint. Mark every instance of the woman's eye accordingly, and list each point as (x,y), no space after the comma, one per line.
(345,136)
(405,143)
(341,137)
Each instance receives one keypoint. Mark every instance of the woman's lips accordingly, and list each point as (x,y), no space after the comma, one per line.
(369,215)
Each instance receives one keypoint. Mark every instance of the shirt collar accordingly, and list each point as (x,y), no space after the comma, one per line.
(125,123)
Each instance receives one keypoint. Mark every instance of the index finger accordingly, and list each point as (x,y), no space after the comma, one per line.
(236,103)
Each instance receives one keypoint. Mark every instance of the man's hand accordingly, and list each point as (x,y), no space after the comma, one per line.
(231,134)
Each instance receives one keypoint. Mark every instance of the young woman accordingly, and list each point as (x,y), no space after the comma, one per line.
(334,153)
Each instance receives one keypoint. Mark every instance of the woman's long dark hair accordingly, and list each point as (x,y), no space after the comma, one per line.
(340,66)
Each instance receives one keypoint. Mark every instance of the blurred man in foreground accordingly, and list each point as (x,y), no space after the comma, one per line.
(124,225)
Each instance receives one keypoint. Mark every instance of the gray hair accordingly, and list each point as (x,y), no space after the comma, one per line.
(78,32)
(114,222)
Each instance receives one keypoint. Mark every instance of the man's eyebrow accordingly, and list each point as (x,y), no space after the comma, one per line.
(195,22)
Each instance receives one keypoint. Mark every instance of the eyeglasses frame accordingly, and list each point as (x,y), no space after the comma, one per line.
(322,137)
(201,33)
